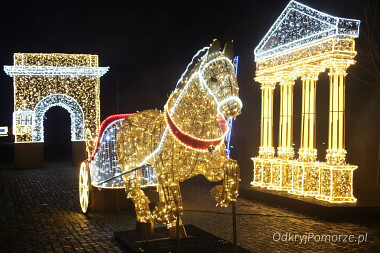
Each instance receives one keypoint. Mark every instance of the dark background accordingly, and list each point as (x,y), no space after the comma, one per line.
(148,46)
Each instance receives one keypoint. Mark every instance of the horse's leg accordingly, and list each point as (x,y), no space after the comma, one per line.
(227,192)
(144,224)
(170,207)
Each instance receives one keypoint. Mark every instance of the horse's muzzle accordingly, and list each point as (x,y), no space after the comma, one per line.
(230,107)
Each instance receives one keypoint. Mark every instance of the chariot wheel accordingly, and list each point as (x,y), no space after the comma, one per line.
(84,186)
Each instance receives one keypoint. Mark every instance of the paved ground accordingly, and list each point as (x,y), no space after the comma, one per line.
(39,212)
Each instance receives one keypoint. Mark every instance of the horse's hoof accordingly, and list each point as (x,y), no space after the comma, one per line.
(181,232)
(216,192)
(144,229)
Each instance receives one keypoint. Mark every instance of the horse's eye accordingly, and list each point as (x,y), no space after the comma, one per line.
(213,79)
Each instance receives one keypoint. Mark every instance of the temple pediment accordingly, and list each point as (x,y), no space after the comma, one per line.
(299,25)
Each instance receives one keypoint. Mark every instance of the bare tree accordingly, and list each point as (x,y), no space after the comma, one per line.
(368,66)
(367,69)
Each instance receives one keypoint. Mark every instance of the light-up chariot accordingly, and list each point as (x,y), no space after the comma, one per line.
(101,169)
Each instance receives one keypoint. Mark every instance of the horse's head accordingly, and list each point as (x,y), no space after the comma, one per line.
(218,77)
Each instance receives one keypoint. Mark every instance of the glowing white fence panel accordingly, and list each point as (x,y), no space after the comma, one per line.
(105,163)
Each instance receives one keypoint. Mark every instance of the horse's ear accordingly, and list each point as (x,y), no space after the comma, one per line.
(228,50)
(213,50)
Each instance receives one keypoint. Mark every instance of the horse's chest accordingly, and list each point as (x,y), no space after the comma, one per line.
(180,160)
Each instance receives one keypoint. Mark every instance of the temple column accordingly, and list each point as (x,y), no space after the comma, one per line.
(282,170)
(336,177)
(307,151)
(336,153)
(263,163)
(306,170)
(285,149)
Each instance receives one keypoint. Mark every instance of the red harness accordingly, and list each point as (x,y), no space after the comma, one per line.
(194,142)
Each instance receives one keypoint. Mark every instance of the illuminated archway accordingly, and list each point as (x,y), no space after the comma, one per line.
(41,81)
(66,102)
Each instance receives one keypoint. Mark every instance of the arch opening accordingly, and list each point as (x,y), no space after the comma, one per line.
(66,102)
(57,141)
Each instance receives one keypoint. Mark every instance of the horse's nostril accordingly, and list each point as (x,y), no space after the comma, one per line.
(231,109)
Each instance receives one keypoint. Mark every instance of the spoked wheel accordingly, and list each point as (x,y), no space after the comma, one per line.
(84,186)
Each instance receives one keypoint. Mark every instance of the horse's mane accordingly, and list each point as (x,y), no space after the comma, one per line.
(194,69)
(186,75)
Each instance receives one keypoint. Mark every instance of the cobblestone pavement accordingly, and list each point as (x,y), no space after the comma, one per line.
(39,212)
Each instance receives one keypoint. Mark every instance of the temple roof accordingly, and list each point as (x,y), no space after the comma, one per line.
(299,25)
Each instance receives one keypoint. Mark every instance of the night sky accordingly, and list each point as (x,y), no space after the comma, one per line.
(148,46)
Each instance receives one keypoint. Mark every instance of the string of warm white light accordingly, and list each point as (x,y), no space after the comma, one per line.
(190,64)
(55,71)
(300,25)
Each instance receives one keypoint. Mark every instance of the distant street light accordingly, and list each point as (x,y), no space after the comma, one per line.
(3,131)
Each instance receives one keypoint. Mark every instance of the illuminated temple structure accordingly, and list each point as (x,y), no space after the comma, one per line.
(302,43)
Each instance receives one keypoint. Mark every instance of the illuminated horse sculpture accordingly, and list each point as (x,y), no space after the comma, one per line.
(184,140)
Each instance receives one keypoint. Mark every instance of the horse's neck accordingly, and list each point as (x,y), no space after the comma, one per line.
(196,111)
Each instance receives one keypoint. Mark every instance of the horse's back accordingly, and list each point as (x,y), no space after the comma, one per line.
(138,137)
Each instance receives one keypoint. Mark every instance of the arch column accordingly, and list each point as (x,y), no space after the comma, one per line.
(263,163)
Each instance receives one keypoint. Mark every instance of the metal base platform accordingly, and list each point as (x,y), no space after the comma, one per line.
(198,240)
